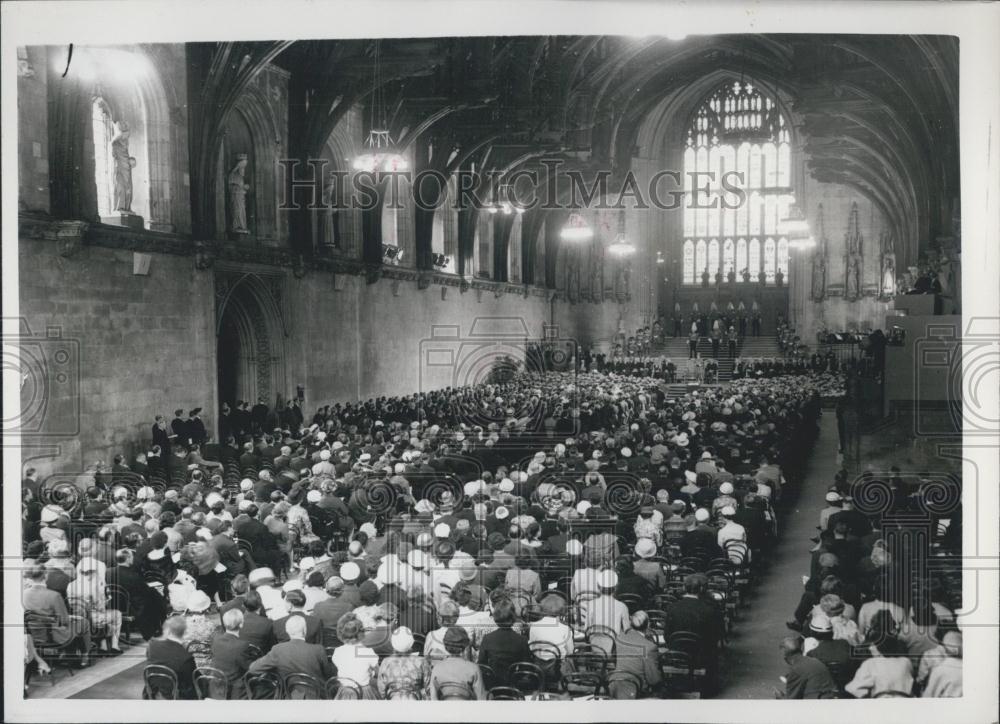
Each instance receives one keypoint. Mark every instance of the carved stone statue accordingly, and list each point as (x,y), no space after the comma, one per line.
(888,275)
(238,196)
(853,283)
(329,212)
(818,276)
(123,169)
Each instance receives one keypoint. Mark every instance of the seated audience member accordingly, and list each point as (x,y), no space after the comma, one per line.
(257,629)
(295,600)
(357,665)
(296,656)
(636,654)
(230,653)
(807,678)
(888,672)
(170,651)
(455,668)
(504,646)
(945,679)
(48,619)
(404,674)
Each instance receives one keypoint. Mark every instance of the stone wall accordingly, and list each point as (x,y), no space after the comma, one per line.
(142,345)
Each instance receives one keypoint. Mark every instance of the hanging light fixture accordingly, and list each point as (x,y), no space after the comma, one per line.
(621,247)
(380,153)
(576,229)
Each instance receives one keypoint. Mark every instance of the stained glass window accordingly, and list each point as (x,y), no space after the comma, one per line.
(769,261)
(737,129)
(689,262)
(783,256)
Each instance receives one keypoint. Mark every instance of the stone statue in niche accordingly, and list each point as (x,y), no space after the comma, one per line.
(238,188)
(888,275)
(124,163)
(329,212)
(853,283)
(818,276)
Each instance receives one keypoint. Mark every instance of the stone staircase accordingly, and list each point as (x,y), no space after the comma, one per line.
(676,348)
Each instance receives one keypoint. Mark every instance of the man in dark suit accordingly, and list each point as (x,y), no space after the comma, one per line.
(133,596)
(296,656)
(249,458)
(231,654)
(637,655)
(258,416)
(296,601)
(196,428)
(807,678)
(695,614)
(703,540)
(179,427)
(257,629)
(170,652)
(331,609)
(263,545)
(161,436)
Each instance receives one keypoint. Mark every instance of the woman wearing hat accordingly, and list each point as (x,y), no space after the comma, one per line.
(201,623)
(404,674)
(356,663)
(87,599)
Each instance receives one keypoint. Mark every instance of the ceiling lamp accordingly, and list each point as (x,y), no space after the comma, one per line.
(380,153)
(794,223)
(576,229)
(621,247)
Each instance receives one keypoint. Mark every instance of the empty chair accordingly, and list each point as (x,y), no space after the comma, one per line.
(342,688)
(526,677)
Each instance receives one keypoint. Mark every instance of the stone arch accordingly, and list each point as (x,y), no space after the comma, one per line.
(251,129)
(250,333)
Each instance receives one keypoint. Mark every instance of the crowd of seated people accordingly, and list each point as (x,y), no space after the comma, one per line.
(552,536)
(871,622)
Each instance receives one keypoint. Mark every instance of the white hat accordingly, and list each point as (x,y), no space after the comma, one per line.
(726,488)
(706,455)
(645,548)
(501,513)
(144,492)
(246,484)
(506,485)
(701,515)
(728,511)
(204,533)
(324,455)
(681,440)
(321,435)
(337,445)
(626,452)
(399,468)
(198,601)
(574,547)
(369,529)
(473,487)
(292,584)
(402,640)
(244,505)
(87,565)
(50,513)
(424,506)
(259,575)
(607,579)
(307,563)
(350,571)
(690,476)
(416,558)
(314,496)
(833,497)
(442,530)
(213,498)
(364,457)
(583,506)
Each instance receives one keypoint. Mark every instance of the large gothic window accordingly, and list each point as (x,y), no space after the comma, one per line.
(737,129)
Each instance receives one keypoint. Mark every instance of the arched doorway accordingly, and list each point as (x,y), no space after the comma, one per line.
(250,343)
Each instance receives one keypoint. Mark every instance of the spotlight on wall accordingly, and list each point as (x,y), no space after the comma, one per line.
(391,254)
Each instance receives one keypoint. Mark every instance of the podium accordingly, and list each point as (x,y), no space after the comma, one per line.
(917,305)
